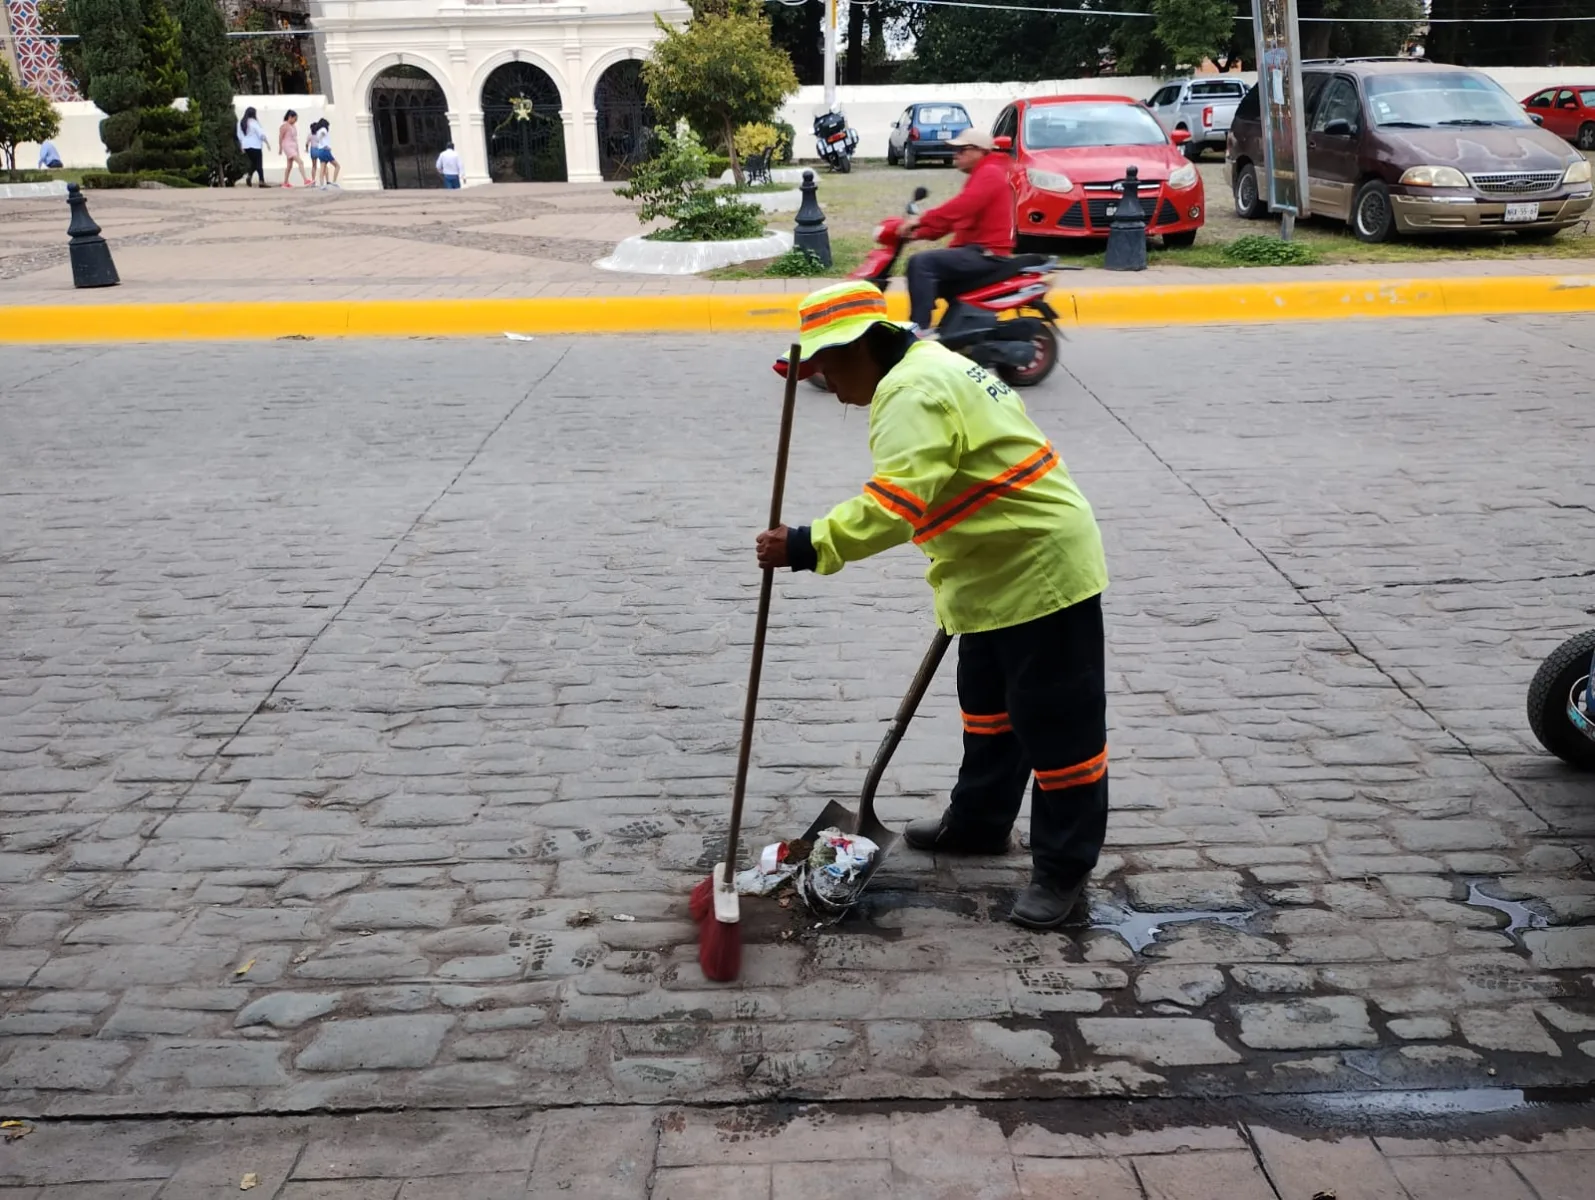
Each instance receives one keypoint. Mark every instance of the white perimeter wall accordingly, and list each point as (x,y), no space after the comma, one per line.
(870,110)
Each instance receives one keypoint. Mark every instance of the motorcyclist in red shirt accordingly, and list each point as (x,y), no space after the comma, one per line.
(980,218)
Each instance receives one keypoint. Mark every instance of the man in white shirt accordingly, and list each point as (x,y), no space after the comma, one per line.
(49,156)
(450,167)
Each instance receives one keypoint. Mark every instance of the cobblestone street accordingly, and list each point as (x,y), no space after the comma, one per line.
(368,711)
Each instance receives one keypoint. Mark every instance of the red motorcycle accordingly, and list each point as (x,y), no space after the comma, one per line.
(1004,322)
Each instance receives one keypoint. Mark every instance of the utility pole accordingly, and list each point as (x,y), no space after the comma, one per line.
(830,51)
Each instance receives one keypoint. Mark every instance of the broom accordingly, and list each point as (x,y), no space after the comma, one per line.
(713,904)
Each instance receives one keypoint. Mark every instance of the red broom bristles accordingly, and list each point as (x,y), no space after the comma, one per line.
(720,950)
(701,902)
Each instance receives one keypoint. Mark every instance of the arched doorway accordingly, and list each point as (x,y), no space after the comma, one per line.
(625,122)
(525,136)
(410,117)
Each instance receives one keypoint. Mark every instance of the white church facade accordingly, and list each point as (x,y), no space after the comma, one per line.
(547,90)
(526,90)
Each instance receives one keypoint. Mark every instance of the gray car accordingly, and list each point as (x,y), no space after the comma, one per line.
(1202,107)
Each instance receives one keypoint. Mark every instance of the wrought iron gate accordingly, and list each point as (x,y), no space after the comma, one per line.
(525,135)
(625,122)
(410,116)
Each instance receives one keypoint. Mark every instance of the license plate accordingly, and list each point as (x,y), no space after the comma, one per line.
(1523,212)
(944,134)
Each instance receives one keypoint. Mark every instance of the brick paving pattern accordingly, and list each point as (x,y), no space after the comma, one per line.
(994,1152)
(351,693)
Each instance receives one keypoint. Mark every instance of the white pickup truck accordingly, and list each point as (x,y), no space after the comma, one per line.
(1202,107)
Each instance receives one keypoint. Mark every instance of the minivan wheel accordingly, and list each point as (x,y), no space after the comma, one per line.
(1249,205)
(1371,217)
(1586,136)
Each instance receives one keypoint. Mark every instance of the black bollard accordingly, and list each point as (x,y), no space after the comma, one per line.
(811,234)
(91,257)
(1127,237)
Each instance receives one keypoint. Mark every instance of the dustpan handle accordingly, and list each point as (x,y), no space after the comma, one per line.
(777,491)
(899,725)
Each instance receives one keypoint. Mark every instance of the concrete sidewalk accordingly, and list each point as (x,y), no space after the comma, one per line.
(998,1151)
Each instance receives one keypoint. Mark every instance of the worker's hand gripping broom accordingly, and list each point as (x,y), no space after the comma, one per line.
(714,901)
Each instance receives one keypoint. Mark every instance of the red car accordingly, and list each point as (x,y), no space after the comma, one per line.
(1568,112)
(1070,155)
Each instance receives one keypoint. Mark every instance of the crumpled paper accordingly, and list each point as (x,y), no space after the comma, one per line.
(830,876)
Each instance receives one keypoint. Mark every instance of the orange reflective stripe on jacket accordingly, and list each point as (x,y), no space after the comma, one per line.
(1020,475)
(988,724)
(895,499)
(1089,771)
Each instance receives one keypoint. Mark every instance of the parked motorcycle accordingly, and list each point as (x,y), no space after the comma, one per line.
(1562,702)
(1003,323)
(834,141)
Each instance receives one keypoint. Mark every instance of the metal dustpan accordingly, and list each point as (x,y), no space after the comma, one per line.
(864,822)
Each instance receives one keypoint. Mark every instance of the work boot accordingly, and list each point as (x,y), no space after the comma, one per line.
(1047,904)
(936,836)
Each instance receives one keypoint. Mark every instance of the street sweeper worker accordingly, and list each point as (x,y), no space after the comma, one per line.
(1017,568)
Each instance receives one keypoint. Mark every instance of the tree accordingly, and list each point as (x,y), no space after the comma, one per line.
(210,89)
(965,45)
(24,117)
(167,139)
(719,72)
(1194,30)
(112,63)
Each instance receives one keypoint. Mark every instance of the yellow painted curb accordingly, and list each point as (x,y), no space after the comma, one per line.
(702,312)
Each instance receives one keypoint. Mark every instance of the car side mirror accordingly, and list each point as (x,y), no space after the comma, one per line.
(1003,145)
(1180,136)
(1536,118)
(920,193)
(1340,127)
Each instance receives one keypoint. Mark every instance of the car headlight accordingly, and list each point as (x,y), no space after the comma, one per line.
(1049,181)
(1182,178)
(1434,177)
(1579,172)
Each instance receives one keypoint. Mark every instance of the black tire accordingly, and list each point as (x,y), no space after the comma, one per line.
(1046,344)
(1249,202)
(1548,699)
(1586,136)
(891,155)
(844,164)
(1372,217)
(1179,241)
(910,159)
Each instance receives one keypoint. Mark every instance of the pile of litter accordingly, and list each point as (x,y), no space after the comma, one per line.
(827,872)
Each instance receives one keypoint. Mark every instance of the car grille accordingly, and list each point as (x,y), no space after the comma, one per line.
(1516,183)
(1074,217)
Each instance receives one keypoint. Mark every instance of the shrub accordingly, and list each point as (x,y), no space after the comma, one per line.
(798,263)
(1260,250)
(718,165)
(757,138)
(713,215)
(666,182)
(783,151)
(128,179)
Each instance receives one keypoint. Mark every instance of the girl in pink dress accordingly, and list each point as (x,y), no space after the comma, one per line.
(288,147)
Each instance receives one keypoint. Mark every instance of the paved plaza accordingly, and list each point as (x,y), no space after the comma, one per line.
(368,711)
(201,245)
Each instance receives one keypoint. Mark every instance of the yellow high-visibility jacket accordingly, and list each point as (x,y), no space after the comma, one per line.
(963,472)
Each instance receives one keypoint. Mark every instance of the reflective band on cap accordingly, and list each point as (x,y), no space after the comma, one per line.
(859,304)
